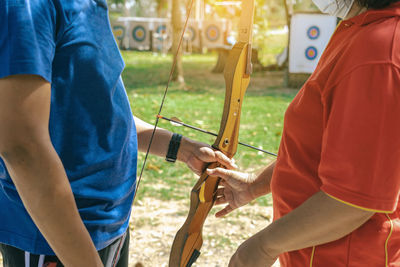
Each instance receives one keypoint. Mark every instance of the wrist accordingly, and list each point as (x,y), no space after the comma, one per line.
(184,151)
(260,186)
(173,148)
(255,191)
(270,246)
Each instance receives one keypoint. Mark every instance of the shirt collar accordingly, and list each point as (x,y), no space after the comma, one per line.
(375,14)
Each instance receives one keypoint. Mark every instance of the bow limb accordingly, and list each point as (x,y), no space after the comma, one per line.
(188,241)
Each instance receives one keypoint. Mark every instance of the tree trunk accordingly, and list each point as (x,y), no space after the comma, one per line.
(177,27)
(161,7)
(288,10)
(126,12)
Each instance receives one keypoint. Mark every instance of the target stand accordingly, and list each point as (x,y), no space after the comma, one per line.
(309,35)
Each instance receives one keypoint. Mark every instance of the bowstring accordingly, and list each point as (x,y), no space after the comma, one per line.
(175,60)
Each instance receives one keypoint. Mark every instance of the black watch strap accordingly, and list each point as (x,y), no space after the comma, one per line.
(173,147)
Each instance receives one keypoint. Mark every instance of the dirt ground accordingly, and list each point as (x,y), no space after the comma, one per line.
(154,231)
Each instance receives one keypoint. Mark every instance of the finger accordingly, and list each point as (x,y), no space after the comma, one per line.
(220,196)
(227,175)
(220,192)
(221,200)
(223,212)
(225,160)
(224,184)
(220,172)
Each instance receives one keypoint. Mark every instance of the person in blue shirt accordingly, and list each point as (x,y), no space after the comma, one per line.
(68,139)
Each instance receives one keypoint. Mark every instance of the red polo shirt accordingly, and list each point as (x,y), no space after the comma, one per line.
(342,136)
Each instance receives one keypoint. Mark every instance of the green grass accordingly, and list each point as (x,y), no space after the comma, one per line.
(270,47)
(200,104)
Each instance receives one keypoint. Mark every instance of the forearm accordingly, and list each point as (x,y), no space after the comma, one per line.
(319,220)
(160,141)
(43,186)
(262,183)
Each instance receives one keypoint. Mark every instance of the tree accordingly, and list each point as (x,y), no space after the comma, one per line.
(177,27)
(162,5)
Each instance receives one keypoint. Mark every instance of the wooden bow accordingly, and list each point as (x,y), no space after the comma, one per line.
(188,241)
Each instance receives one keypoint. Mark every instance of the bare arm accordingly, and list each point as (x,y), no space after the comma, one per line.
(262,184)
(161,138)
(37,171)
(319,220)
(194,154)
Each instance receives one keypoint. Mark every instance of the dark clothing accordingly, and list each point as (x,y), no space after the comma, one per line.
(115,255)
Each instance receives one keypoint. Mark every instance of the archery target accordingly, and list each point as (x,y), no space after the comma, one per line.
(309,35)
(311,53)
(161,29)
(139,37)
(313,32)
(139,33)
(193,33)
(162,38)
(119,32)
(119,29)
(213,33)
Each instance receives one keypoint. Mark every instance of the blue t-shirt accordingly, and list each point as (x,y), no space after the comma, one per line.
(70,44)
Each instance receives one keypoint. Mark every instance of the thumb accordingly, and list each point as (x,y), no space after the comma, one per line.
(222,173)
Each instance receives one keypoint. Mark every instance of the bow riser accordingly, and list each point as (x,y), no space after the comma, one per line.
(188,240)
(237,81)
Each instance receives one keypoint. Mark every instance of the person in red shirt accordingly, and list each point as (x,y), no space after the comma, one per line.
(336,182)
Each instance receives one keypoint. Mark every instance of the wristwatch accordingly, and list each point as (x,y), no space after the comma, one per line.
(173,147)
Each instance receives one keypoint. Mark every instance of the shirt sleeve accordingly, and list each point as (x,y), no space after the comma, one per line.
(360,159)
(27,37)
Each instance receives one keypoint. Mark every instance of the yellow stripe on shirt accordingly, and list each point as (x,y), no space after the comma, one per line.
(312,256)
(358,207)
(387,241)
